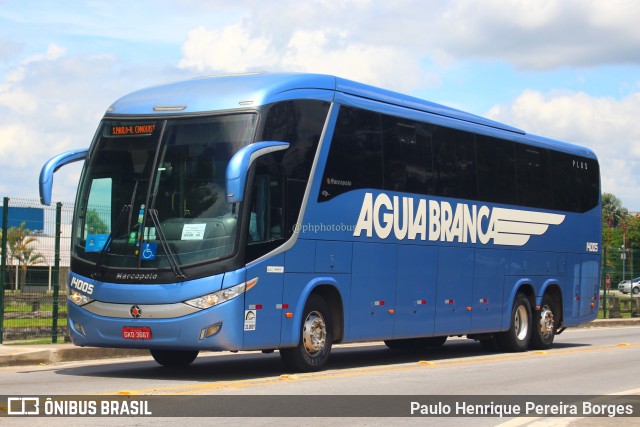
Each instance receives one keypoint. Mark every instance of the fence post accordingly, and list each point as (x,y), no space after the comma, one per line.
(56,274)
(606,283)
(3,262)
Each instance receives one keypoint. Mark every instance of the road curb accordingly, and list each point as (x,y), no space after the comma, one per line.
(606,323)
(27,357)
(13,355)
(91,353)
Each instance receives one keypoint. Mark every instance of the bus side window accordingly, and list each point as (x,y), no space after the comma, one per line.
(266,228)
(533,176)
(355,157)
(266,222)
(454,161)
(408,163)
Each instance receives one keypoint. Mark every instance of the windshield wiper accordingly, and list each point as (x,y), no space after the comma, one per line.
(153,213)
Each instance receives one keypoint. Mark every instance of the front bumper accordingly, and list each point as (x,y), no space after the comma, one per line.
(178,333)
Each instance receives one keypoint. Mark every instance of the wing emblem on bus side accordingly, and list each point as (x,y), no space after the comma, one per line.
(514,227)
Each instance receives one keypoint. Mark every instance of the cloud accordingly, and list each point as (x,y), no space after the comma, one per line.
(228,49)
(9,49)
(607,125)
(51,102)
(540,35)
(330,51)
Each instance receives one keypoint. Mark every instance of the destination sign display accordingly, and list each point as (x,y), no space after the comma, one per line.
(130,129)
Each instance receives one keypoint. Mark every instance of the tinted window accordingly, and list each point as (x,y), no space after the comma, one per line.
(355,157)
(454,162)
(533,177)
(575,182)
(496,170)
(299,123)
(407,156)
(428,159)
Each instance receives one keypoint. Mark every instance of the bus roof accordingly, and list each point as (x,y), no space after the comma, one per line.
(242,91)
(228,92)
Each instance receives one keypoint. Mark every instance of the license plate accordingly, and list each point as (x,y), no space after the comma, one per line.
(130,333)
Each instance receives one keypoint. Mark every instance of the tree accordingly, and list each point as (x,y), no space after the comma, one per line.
(21,252)
(95,224)
(613,213)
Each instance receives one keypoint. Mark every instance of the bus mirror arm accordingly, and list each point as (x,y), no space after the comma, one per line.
(236,175)
(55,163)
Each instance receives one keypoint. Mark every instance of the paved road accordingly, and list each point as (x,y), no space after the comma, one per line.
(583,362)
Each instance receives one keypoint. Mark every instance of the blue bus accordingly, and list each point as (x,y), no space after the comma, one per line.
(293,211)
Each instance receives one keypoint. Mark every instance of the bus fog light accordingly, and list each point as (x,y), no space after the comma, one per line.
(210,330)
(79,328)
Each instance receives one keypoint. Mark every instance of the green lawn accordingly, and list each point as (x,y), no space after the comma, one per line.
(30,323)
(26,308)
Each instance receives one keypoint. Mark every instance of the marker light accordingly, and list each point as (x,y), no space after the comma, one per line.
(210,300)
(78,299)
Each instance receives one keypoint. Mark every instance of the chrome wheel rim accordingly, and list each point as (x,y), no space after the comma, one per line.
(314,333)
(546,322)
(521,322)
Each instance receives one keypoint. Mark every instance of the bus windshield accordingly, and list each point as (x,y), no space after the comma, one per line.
(154,190)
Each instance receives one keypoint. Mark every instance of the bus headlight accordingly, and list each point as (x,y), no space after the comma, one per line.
(209,300)
(78,299)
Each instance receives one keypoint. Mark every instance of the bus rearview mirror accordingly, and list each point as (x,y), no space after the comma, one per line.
(236,175)
(55,163)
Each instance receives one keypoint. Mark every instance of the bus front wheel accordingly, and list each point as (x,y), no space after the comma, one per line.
(518,336)
(174,358)
(312,352)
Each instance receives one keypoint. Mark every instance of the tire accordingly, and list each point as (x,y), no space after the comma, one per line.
(544,324)
(518,336)
(316,336)
(174,358)
(636,290)
(416,344)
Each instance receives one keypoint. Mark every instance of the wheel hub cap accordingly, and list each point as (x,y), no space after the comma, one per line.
(546,322)
(314,333)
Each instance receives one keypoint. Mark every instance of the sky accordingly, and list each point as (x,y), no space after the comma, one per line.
(563,69)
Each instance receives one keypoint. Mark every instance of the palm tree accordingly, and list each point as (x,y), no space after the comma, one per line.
(613,213)
(18,242)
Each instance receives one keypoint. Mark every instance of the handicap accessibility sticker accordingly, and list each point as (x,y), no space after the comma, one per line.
(149,251)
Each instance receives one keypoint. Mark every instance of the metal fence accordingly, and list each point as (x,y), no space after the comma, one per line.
(33,270)
(36,242)
(620,265)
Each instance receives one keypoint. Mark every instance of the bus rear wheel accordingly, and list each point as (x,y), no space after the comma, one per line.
(174,358)
(544,325)
(313,350)
(518,336)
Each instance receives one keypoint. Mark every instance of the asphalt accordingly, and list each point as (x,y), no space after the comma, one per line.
(45,354)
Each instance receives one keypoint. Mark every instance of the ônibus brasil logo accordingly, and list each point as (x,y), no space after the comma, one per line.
(421,219)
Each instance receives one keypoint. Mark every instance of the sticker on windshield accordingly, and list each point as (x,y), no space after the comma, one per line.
(95,242)
(193,231)
(249,320)
(149,251)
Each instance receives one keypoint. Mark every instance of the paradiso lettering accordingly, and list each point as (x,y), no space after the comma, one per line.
(420,219)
